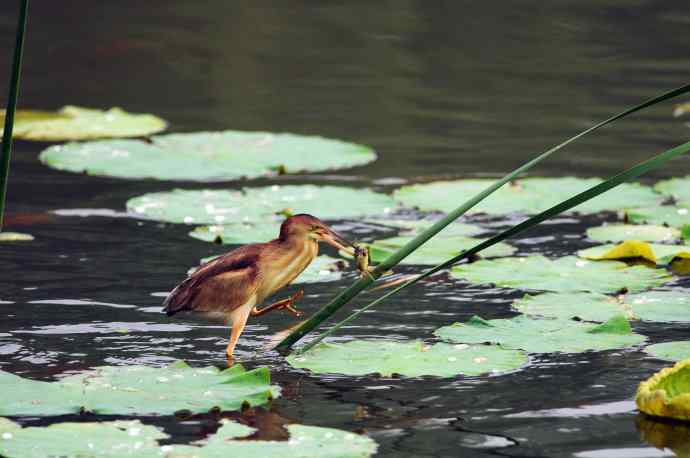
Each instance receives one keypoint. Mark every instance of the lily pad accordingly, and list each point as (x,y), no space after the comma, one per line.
(528,196)
(678,188)
(411,359)
(660,306)
(567,274)
(667,393)
(79,123)
(673,215)
(654,252)
(623,232)
(435,251)
(140,390)
(237,234)
(304,442)
(259,205)
(322,269)
(415,227)
(113,439)
(544,336)
(208,156)
(671,351)
(15,237)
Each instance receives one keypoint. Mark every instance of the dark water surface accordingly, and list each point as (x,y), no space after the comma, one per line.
(438,89)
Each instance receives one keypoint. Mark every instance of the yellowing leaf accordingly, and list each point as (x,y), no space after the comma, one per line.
(654,252)
(667,393)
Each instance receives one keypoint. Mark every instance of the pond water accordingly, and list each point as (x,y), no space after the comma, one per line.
(439,89)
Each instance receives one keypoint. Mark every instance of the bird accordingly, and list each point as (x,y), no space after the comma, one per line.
(233,285)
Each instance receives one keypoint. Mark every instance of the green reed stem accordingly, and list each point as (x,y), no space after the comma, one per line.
(12,105)
(347,295)
(643,167)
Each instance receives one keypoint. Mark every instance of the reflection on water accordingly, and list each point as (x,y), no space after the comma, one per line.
(439,90)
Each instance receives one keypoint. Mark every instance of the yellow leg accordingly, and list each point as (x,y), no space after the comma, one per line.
(238,323)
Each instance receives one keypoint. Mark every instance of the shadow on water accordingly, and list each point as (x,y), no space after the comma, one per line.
(438,89)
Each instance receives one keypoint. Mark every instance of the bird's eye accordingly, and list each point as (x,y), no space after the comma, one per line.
(314,228)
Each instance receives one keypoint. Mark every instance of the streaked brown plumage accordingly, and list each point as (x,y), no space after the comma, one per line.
(235,283)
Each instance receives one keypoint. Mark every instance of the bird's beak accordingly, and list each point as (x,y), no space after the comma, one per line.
(337,241)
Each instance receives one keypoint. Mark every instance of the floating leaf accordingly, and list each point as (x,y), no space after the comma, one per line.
(667,393)
(544,336)
(681,109)
(414,227)
(623,232)
(15,237)
(208,156)
(237,234)
(674,216)
(672,351)
(435,251)
(112,439)
(529,196)
(78,123)
(304,442)
(662,306)
(567,274)
(258,205)
(678,188)
(654,252)
(411,359)
(140,390)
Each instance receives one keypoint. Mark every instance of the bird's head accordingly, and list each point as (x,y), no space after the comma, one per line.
(309,227)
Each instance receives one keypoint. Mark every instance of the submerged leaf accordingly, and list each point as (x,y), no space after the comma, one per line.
(435,251)
(567,274)
(411,359)
(660,306)
(304,442)
(258,205)
(672,351)
(208,156)
(138,390)
(112,439)
(78,123)
(667,393)
(15,237)
(672,215)
(623,232)
(529,196)
(654,252)
(544,336)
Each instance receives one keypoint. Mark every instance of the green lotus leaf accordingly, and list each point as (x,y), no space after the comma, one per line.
(655,252)
(544,335)
(566,274)
(661,306)
(237,234)
(435,251)
(667,393)
(140,390)
(529,196)
(623,232)
(258,205)
(671,351)
(673,215)
(411,359)
(208,156)
(678,188)
(415,227)
(304,442)
(113,439)
(322,269)
(78,123)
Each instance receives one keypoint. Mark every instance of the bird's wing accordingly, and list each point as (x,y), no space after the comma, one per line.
(220,285)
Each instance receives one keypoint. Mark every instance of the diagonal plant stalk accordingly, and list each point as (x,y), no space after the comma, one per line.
(633,172)
(12,105)
(344,297)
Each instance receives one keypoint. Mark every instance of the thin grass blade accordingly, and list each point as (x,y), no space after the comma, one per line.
(344,297)
(633,172)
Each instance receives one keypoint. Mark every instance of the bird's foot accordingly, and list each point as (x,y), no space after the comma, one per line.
(291,300)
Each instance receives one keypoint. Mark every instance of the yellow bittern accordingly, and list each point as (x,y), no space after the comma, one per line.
(235,283)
